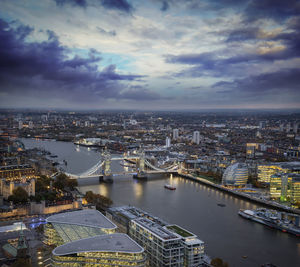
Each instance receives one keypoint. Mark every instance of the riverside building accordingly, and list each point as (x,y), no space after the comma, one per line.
(266,171)
(165,244)
(235,175)
(286,187)
(88,238)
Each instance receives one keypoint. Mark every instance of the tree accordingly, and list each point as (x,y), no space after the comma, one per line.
(62,182)
(217,262)
(71,183)
(42,184)
(19,195)
(101,202)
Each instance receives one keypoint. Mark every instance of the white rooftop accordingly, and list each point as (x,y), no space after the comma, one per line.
(87,217)
(106,243)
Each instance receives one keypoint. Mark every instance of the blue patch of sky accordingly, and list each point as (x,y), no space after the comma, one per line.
(123,62)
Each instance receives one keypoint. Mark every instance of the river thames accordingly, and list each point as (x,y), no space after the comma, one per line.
(192,205)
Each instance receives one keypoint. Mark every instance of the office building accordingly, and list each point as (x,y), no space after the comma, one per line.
(163,247)
(20,125)
(286,187)
(88,238)
(262,124)
(175,134)
(164,243)
(251,149)
(196,137)
(235,175)
(100,250)
(168,142)
(296,126)
(267,170)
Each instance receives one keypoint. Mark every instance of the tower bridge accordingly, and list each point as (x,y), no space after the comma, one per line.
(102,168)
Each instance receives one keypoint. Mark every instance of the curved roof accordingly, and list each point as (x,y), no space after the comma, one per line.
(102,243)
(235,171)
(87,217)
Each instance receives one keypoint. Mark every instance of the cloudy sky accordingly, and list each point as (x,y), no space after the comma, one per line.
(154,54)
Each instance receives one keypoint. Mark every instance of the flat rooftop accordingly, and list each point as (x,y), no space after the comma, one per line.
(86,217)
(132,213)
(180,231)
(156,229)
(106,243)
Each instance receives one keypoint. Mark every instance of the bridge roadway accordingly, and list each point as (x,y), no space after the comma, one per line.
(120,173)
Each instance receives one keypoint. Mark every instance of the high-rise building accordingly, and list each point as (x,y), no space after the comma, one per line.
(296,126)
(87,124)
(235,175)
(250,149)
(30,124)
(44,117)
(88,238)
(262,124)
(196,137)
(168,142)
(175,134)
(20,125)
(288,127)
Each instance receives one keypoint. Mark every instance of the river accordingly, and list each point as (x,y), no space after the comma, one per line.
(192,206)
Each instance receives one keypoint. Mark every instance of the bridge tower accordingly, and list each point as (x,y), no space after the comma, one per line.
(106,170)
(140,166)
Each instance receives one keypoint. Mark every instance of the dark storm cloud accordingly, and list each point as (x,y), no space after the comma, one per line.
(45,68)
(80,3)
(286,81)
(229,62)
(275,9)
(165,6)
(251,10)
(214,63)
(121,5)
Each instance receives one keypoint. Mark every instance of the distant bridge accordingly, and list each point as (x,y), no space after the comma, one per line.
(102,167)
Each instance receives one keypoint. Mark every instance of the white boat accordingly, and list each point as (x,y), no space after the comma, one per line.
(170,187)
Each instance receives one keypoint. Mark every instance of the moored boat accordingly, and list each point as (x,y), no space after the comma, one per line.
(170,187)
(285,222)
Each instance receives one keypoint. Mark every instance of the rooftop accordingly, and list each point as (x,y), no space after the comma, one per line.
(87,217)
(156,229)
(132,213)
(107,243)
(180,231)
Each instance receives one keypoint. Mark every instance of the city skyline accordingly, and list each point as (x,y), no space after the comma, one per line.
(150,55)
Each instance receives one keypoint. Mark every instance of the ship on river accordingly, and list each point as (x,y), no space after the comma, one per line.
(286,222)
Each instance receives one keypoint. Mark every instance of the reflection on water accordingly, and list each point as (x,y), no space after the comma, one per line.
(138,189)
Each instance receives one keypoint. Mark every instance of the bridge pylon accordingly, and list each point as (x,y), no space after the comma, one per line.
(106,175)
(140,165)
